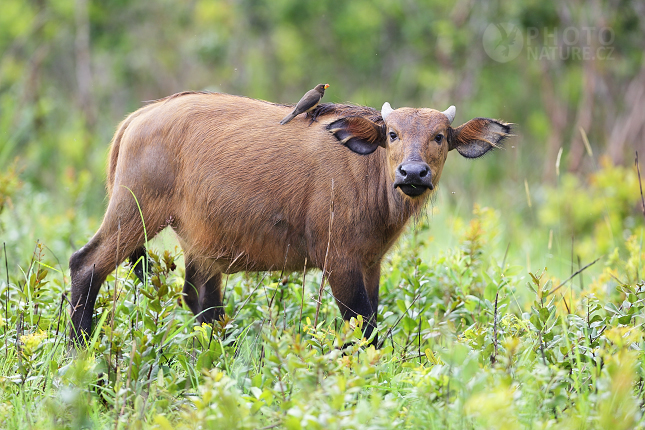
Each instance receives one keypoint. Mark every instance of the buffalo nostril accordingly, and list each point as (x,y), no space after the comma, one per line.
(402,171)
(424,172)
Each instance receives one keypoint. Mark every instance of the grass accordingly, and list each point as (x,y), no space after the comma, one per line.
(471,336)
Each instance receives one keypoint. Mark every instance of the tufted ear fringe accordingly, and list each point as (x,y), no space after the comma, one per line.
(478,136)
(358,134)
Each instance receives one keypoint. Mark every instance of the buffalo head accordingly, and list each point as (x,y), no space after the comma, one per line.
(417,142)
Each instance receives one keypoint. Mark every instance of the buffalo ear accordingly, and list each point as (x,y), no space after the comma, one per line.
(478,136)
(359,134)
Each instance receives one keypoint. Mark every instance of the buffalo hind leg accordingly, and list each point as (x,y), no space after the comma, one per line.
(121,234)
(352,299)
(140,262)
(202,292)
(90,265)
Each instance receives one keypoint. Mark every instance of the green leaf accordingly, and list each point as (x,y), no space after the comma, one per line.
(490,291)
(163,290)
(147,294)
(595,318)
(625,319)
(610,307)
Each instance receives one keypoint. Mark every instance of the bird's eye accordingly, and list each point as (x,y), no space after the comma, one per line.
(393,136)
(438,138)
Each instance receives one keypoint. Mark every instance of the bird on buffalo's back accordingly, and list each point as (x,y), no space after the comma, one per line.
(307,103)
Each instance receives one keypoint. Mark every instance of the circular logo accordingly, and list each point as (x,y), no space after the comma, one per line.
(503,42)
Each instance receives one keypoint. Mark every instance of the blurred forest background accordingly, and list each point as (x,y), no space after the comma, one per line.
(70,70)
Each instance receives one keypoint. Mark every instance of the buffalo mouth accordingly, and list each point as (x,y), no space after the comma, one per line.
(413,190)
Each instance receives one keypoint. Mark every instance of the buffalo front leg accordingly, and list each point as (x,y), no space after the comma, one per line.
(351,296)
(372,278)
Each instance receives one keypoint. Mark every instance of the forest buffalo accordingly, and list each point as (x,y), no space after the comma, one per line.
(244,193)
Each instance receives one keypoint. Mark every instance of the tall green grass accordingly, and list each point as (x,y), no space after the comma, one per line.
(471,338)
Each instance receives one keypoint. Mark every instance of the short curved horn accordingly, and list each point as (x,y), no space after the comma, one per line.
(386,110)
(450,113)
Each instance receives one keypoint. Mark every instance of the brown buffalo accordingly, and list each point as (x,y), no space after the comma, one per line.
(243,193)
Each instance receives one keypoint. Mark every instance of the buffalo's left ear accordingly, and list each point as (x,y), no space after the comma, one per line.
(358,134)
(478,136)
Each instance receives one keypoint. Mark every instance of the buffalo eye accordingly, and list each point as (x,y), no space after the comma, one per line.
(438,138)
(393,136)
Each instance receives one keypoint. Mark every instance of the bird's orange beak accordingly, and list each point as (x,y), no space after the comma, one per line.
(326,86)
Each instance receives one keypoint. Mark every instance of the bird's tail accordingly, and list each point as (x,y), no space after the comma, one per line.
(287,118)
